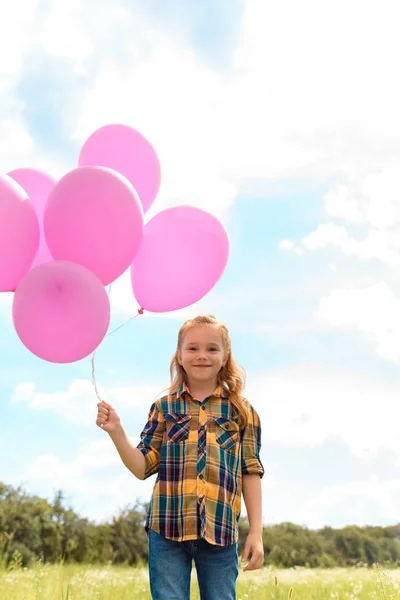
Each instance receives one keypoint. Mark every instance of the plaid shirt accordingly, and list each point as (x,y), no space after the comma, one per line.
(200,456)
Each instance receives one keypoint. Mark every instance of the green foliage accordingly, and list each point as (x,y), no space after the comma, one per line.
(33,529)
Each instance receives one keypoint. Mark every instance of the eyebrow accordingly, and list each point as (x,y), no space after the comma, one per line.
(207,344)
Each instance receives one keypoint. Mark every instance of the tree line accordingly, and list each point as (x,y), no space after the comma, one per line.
(33,528)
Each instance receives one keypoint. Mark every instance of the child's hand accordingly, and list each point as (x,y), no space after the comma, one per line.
(253,546)
(107,417)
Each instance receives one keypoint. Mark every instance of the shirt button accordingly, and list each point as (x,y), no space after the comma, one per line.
(227,426)
(203,408)
(201,476)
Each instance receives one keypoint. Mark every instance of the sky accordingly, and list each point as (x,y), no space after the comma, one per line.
(282,119)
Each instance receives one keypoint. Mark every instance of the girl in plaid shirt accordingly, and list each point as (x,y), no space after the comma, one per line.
(203,441)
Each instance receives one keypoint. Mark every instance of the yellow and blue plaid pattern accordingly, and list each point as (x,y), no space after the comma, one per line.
(200,456)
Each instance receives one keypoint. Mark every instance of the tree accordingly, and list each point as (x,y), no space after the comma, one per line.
(33,528)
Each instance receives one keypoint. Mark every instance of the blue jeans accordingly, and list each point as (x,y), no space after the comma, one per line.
(170,566)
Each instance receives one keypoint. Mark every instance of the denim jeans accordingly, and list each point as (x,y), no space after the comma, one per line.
(170,566)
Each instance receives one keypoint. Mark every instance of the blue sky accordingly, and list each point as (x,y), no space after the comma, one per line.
(257,116)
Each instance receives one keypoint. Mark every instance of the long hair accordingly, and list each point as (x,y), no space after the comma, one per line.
(231,376)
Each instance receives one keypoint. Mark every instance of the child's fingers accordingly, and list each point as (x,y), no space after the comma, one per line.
(101,421)
(103,413)
(105,404)
(246,552)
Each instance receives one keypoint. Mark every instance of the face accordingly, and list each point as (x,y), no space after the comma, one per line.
(202,354)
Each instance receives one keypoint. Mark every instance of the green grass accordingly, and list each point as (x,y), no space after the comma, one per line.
(124,583)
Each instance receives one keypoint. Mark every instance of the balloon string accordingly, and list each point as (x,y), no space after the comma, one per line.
(92,356)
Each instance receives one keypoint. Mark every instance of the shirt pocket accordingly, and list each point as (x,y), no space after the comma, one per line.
(177,426)
(226,433)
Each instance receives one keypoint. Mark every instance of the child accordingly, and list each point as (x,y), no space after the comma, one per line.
(203,439)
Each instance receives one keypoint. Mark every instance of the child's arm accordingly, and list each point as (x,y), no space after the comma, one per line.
(109,421)
(254,542)
(132,458)
(252,472)
(252,499)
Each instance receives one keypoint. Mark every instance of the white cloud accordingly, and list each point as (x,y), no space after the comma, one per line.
(283,107)
(373,310)
(61,32)
(377,245)
(98,456)
(380,193)
(341,205)
(77,404)
(305,406)
(15,27)
(329,234)
(65,31)
(16,140)
(372,200)
(290,101)
(96,480)
(286,245)
(184,125)
(357,502)
(310,69)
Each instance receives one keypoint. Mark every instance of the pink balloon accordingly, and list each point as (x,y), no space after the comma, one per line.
(19,233)
(183,254)
(61,312)
(94,217)
(38,186)
(124,149)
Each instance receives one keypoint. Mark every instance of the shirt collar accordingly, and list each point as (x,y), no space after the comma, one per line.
(219,392)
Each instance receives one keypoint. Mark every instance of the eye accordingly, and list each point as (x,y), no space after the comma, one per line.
(192,348)
(213,349)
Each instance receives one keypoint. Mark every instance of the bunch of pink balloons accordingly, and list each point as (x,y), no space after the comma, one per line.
(62,242)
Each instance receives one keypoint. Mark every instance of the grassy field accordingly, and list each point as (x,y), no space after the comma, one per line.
(124,583)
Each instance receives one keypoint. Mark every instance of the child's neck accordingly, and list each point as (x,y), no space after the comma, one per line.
(200,391)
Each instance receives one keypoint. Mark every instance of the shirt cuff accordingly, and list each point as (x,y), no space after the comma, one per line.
(152,461)
(253,467)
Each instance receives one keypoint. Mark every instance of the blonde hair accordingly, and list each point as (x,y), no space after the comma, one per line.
(231,376)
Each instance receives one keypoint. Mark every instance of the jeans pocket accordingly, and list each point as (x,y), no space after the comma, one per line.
(177,426)
(226,433)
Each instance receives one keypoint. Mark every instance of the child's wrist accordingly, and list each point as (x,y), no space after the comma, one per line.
(117,432)
(256,530)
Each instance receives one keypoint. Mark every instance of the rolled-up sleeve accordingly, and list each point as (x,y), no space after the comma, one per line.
(151,440)
(251,445)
